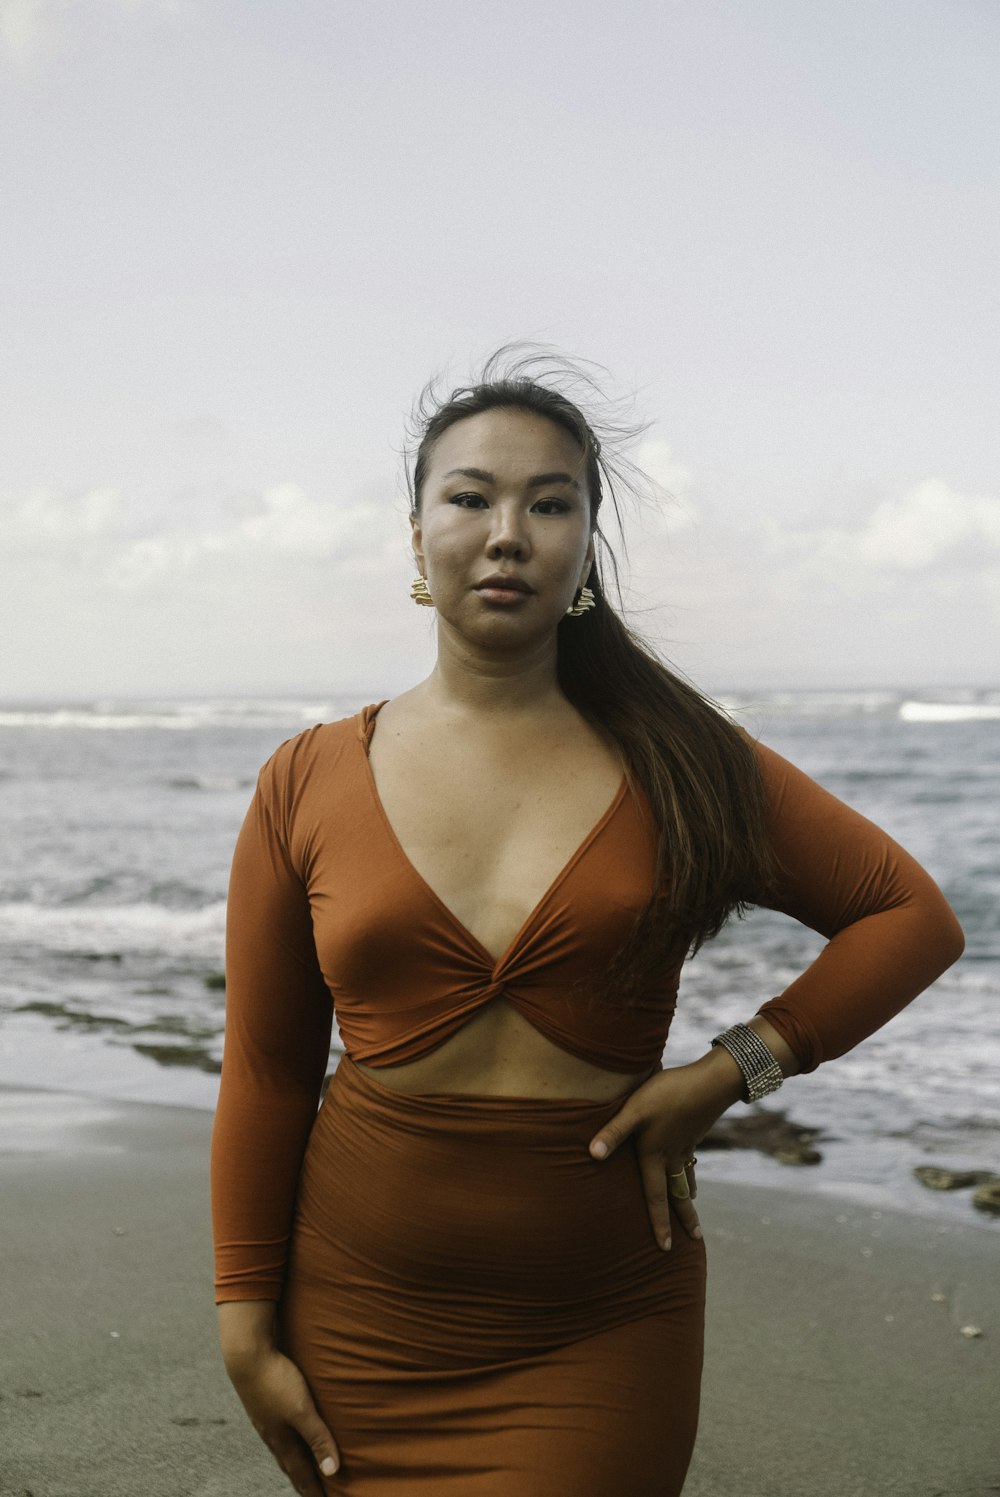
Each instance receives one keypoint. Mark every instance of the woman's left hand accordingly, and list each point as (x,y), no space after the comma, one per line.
(669,1115)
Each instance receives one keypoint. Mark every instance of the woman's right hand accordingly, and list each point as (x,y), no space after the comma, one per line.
(281,1409)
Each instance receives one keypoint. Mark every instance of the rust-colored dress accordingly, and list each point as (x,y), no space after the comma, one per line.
(478,1306)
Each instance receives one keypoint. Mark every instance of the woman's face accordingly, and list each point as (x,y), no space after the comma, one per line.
(505,501)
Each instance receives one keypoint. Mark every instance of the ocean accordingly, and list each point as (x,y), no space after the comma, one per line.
(118,820)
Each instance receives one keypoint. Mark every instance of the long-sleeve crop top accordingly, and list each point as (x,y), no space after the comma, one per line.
(327,914)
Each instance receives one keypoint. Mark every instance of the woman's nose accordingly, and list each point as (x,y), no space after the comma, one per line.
(508,536)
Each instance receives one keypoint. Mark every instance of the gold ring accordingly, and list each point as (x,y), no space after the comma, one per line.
(684,1193)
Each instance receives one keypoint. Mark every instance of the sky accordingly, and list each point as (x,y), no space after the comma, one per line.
(240,236)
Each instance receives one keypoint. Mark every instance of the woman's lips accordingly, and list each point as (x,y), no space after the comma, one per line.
(505,595)
(503,588)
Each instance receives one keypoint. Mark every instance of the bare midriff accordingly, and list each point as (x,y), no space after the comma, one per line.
(498,1053)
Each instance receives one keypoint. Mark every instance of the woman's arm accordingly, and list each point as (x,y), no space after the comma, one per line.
(890,930)
(891,933)
(279,1015)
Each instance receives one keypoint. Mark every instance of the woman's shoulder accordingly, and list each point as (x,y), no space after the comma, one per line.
(791,793)
(316,752)
(778,774)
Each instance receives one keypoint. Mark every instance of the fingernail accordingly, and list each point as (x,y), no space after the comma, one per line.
(697,1233)
(600,1149)
(328,1466)
(666,1244)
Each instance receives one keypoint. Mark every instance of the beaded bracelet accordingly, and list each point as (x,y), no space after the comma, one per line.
(761,1071)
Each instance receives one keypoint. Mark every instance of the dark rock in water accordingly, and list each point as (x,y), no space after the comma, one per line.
(215,981)
(938,1178)
(799,1154)
(770,1133)
(181,1055)
(987,1197)
(72,1018)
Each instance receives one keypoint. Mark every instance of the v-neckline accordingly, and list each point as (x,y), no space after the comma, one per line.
(366,727)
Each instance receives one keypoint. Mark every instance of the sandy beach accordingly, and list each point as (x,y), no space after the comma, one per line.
(836,1361)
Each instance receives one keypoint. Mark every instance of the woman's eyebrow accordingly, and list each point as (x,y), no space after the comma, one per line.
(537,482)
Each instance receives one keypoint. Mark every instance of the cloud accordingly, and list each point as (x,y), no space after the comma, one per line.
(23,27)
(658,460)
(216,591)
(931,525)
(931,529)
(674,478)
(42,521)
(30,27)
(905,588)
(281,532)
(281,585)
(287,528)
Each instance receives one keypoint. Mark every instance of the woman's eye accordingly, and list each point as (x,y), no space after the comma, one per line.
(541,506)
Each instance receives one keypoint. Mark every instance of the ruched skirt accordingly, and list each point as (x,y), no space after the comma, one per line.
(480,1308)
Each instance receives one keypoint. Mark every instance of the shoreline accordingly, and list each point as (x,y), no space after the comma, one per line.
(835,1355)
(845,1170)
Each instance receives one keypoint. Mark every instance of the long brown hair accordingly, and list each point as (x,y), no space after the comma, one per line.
(696,766)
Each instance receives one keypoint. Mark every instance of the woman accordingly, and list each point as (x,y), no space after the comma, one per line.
(479,1272)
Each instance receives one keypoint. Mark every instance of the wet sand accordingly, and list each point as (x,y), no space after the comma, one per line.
(836,1364)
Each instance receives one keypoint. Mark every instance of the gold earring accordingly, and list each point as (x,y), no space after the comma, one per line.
(420,593)
(584,602)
